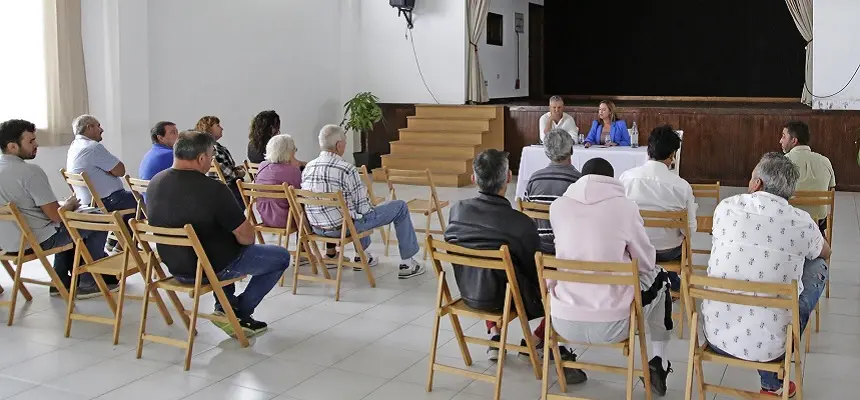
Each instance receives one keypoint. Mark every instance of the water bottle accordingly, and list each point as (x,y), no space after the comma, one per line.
(634,139)
(581,139)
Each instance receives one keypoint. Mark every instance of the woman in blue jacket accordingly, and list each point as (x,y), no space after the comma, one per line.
(608,126)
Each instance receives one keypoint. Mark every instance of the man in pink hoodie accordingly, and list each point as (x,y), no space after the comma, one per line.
(593,221)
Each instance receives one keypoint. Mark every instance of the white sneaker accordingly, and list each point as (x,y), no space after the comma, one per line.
(371,260)
(409,269)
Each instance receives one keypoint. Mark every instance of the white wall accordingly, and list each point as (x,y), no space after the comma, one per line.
(382,55)
(836,53)
(499,63)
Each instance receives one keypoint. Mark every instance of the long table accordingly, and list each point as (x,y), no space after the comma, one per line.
(622,158)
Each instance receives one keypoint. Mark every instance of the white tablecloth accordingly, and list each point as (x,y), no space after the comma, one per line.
(621,158)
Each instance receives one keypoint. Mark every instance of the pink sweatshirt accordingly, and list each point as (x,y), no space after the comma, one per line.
(593,221)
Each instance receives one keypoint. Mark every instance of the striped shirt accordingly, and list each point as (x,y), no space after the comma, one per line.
(544,187)
(330,173)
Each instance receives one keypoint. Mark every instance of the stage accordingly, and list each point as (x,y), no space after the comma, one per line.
(723,140)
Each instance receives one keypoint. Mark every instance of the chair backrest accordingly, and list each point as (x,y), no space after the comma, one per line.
(10,213)
(410,177)
(671,220)
(138,187)
(441,251)
(252,169)
(533,210)
(596,273)
(818,198)
(148,235)
(252,193)
(83,181)
(113,222)
(300,199)
(368,183)
(706,191)
(216,169)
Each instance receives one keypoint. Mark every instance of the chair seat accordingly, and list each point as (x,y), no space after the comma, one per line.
(29,255)
(459,307)
(704,224)
(111,265)
(277,231)
(336,240)
(424,206)
(171,283)
(671,266)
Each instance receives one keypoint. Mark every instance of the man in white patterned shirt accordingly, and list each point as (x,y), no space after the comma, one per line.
(330,173)
(759,237)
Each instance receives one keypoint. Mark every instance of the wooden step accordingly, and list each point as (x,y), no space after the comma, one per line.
(440,179)
(474,124)
(422,161)
(442,136)
(405,147)
(455,111)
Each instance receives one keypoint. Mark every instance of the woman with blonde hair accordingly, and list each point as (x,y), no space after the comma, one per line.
(232,173)
(607,129)
(277,169)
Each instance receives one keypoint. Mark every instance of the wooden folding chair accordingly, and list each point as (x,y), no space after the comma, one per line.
(818,198)
(308,239)
(138,187)
(82,180)
(705,223)
(533,210)
(446,305)
(754,294)
(594,273)
(673,220)
(121,265)
(28,250)
(427,208)
(215,170)
(205,281)
(252,169)
(375,200)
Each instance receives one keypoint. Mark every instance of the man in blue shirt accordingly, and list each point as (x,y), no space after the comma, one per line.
(160,156)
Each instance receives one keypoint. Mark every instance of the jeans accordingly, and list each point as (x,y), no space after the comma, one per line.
(264,262)
(64,261)
(394,211)
(671,255)
(120,200)
(815,274)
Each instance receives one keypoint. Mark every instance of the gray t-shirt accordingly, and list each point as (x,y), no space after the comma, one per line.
(27,186)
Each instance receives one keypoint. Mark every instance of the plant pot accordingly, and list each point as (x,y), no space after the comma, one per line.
(372,161)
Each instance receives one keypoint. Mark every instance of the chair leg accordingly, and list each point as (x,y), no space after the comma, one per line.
(427,233)
(120,302)
(500,368)
(363,257)
(643,352)
(189,349)
(434,340)
(826,290)
(682,310)
(559,369)
(339,274)
(16,283)
(147,290)
(631,358)
(21,288)
(70,305)
(174,299)
(547,342)
(694,341)
(787,363)
(818,316)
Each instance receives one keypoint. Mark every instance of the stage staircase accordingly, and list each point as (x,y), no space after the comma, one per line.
(445,139)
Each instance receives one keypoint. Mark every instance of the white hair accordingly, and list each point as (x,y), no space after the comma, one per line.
(79,125)
(280,149)
(330,135)
(556,99)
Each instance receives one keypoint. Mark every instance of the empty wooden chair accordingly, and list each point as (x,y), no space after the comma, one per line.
(705,223)
(308,239)
(533,210)
(251,169)
(28,250)
(754,294)
(121,265)
(429,207)
(673,220)
(446,305)
(206,280)
(597,273)
(138,187)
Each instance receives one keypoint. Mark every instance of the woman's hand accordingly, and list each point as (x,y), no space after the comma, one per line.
(611,144)
(587,144)
(239,172)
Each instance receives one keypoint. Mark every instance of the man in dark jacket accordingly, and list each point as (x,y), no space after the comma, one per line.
(488,222)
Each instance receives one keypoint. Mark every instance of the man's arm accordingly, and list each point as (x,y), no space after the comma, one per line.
(355,192)
(104,160)
(230,217)
(825,251)
(692,207)
(569,125)
(52,209)
(244,233)
(118,170)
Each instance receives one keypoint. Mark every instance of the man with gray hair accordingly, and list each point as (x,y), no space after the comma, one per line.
(556,118)
(184,195)
(549,183)
(489,222)
(760,237)
(330,173)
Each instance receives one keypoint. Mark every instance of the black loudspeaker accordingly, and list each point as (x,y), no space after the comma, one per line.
(402,4)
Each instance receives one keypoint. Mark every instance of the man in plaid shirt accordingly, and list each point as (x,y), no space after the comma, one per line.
(330,173)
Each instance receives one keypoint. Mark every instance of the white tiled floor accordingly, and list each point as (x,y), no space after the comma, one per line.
(372,345)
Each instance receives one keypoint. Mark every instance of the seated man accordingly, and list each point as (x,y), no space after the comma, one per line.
(160,156)
(759,237)
(185,195)
(487,222)
(86,154)
(593,221)
(549,183)
(655,188)
(816,172)
(27,186)
(330,173)
(556,118)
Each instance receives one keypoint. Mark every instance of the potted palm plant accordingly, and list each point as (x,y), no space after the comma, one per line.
(360,114)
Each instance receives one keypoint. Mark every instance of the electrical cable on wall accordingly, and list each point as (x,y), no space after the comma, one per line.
(411,38)
(834,94)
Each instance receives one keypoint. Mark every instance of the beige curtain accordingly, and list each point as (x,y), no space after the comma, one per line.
(477,12)
(64,66)
(801,11)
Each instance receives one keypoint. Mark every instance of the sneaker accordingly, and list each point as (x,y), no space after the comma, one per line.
(410,269)
(53,292)
(658,375)
(87,292)
(573,376)
(371,260)
(493,352)
(779,393)
(250,324)
(224,325)
(331,261)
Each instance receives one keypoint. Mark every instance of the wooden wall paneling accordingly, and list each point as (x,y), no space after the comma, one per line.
(520,132)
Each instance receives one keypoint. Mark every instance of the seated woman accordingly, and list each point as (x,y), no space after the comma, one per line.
(608,129)
(278,169)
(264,127)
(232,173)
(594,221)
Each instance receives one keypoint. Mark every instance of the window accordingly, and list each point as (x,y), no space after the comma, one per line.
(495,31)
(23,92)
